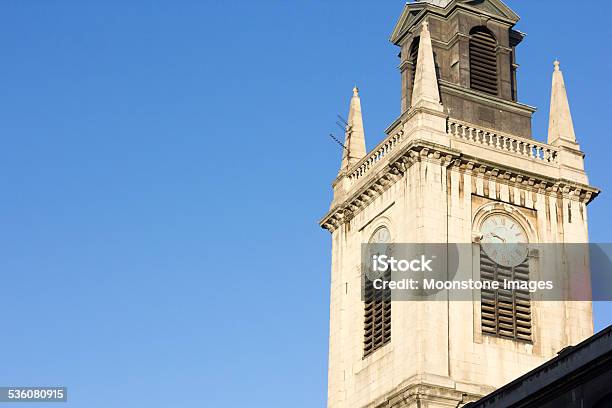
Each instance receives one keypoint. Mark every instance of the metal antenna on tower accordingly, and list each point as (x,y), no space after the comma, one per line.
(338,141)
(345,127)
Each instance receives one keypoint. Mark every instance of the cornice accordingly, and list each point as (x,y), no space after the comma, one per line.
(420,150)
(446,13)
(533,182)
(401,119)
(483,13)
(385,177)
(447,45)
(482,97)
(405,64)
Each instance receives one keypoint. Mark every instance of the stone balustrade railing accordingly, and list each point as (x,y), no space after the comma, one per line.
(383,149)
(514,145)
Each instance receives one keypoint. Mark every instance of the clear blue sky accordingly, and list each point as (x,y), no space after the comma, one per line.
(141,141)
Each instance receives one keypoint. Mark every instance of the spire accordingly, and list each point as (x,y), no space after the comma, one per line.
(560,126)
(425,90)
(354,142)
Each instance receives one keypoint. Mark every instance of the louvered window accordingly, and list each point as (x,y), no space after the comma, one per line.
(377,311)
(505,313)
(483,61)
(377,318)
(413,58)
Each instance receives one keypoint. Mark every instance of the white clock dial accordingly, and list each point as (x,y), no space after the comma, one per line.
(504,240)
(380,244)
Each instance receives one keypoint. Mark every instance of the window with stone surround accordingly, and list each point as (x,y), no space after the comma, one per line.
(505,313)
(413,59)
(377,309)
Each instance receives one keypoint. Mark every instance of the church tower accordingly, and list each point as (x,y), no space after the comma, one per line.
(459,157)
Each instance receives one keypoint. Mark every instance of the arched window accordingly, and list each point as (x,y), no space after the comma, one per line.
(504,256)
(413,56)
(483,61)
(377,311)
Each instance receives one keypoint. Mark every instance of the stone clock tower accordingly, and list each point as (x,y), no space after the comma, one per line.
(458,161)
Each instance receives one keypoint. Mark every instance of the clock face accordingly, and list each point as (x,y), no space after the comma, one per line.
(380,244)
(504,240)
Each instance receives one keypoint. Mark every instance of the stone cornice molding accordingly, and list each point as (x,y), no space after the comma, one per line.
(447,45)
(405,64)
(385,177)
(482,97)
(503,49)
(429,390)
(420,151)
(450,11)
(525,180)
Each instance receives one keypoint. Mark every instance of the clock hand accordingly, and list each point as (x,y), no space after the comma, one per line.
(497,236)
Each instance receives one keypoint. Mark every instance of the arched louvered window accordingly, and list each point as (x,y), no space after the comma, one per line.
(483,61)
(377,313)
(412,58)
(505,313)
